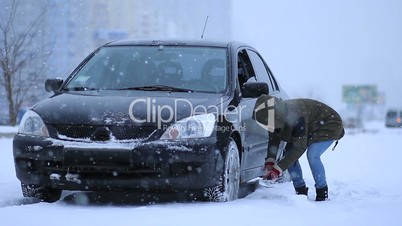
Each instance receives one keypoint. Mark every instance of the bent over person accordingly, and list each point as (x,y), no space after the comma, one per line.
(304,124)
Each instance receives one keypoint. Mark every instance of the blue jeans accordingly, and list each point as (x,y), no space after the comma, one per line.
(314,152)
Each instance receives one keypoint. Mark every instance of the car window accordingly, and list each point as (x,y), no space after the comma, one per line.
(264,74)
(122,67)
(259,68)
(274,82)
(391,114)
(245,70)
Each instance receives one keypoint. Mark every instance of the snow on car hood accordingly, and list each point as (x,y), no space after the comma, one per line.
(78,109)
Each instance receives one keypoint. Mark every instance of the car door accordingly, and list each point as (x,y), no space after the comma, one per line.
(254,137)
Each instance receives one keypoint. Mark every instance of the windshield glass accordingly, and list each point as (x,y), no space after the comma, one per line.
(135,67)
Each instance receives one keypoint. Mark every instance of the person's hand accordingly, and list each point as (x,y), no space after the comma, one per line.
(271,170)
(269,164)
(274,173)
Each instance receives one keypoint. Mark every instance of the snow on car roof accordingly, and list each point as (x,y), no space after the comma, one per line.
(172,42)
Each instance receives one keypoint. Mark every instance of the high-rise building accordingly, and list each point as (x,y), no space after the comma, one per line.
(81,26)
(76,27)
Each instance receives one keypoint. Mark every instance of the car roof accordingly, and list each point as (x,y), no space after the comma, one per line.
(172,42)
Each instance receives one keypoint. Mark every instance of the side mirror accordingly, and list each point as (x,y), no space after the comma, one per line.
(53,84)
(254,89)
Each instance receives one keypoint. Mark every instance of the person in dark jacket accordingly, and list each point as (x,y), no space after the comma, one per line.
(304,124)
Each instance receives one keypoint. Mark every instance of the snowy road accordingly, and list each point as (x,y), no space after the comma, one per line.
(364,183)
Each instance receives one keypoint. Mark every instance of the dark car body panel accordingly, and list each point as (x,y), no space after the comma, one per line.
(129,166)
(103,160)
(393,118)
(88,107)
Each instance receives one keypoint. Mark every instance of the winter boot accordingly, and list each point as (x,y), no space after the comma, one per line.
(322,194)
(302,190)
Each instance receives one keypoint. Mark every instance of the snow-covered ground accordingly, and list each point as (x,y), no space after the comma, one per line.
(8,129)
(364,182)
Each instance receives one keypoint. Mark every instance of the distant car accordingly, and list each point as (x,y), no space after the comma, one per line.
(393,118)
(149,116)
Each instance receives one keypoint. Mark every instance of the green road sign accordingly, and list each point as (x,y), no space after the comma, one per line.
(359,93)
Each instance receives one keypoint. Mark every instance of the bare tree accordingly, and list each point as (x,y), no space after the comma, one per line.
(23,55)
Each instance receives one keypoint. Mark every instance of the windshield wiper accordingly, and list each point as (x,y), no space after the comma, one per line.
(79,88)
(158,88)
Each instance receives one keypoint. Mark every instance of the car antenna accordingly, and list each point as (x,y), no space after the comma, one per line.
(205,25)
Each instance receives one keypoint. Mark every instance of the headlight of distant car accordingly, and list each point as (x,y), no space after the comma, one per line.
(32,124)
(197,126)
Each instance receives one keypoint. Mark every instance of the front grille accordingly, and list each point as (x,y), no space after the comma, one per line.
(135,169)
(138,170)
(118,132)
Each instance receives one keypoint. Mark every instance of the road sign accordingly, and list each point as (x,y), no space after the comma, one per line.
(359,94)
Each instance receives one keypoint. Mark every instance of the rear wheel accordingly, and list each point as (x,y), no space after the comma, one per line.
(43,193)
(228,188)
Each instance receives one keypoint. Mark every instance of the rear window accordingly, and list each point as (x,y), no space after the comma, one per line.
(392,114)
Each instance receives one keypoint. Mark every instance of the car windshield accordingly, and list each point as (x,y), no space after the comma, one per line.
(166,68)
(391,114)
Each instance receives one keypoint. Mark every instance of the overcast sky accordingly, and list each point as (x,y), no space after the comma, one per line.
(316,46)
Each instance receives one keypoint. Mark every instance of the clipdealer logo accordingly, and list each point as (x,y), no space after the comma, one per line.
(269,107)
(145,110)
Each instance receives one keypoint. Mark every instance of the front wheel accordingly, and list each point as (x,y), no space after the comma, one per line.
(228,188)
(45,194)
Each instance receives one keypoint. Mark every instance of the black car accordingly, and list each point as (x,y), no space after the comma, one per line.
(393,118)
(149,116)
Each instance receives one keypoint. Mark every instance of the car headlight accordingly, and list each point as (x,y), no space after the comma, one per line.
(197,126)
(32,124)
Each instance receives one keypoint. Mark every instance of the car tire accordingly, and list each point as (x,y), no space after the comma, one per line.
(45,194)
(229,184)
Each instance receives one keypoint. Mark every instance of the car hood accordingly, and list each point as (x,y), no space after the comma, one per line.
(116,109)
